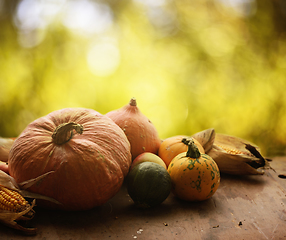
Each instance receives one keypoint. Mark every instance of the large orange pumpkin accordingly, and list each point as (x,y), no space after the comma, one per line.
(89,154)
(195,176)
(175,145)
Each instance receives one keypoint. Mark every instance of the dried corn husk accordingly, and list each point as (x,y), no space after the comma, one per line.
(233,155)
(5,146)
(4,167)
(10,218)
(206,138)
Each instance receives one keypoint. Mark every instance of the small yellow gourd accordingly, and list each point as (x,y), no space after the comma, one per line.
(195,176)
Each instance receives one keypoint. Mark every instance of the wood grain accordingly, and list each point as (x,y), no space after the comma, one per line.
(244,207)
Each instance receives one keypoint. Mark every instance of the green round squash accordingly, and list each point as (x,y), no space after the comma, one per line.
(148,184)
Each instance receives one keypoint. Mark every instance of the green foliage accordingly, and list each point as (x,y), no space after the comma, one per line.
(191,65)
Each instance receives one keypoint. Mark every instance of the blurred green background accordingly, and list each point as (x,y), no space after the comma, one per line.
(191,65)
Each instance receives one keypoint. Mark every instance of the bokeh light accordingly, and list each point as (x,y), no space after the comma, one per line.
(103,58)
(191,65)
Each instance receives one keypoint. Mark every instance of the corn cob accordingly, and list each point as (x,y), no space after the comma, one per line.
(11,200)
(233,150)
(233,155)
(13,205)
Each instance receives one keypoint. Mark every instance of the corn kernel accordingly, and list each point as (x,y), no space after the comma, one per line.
(11,200)
(233,151)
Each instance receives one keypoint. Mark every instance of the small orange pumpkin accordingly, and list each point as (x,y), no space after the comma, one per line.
(195,176)
(175,145)
(139,130)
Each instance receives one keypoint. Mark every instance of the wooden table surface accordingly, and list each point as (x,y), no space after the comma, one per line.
(244,207)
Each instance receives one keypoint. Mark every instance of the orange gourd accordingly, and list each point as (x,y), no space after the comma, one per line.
(140,131)
(195,176)
(175,145)
(87,152)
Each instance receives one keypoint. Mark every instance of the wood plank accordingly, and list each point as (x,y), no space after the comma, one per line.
(244,207)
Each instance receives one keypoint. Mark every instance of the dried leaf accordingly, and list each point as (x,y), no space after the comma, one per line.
(7,181)
(10,219)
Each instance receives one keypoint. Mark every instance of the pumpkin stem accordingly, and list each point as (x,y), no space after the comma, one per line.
(133,102)
(64,132)
(186,141)
(193,151)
